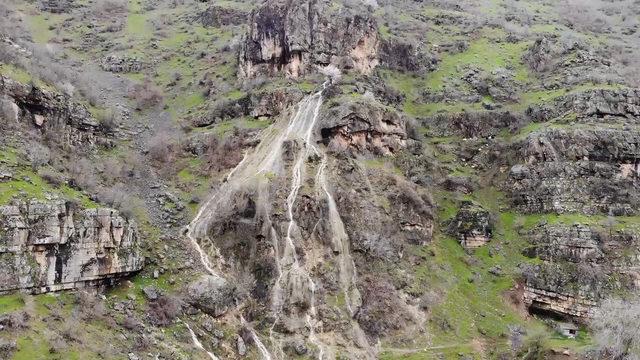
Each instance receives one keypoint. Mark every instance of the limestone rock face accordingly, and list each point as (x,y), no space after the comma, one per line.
(53,246)
(292,37)
(472,226)
(363,127)
(55,113)
(582,264)
(590,166)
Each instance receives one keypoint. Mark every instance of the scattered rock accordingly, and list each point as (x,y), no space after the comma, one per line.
(242,348)
(151,293)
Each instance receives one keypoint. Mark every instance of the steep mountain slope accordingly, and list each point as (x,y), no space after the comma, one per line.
(315,179)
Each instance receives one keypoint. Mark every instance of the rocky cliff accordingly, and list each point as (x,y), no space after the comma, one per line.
(293,37)
(54,114)
(54,246)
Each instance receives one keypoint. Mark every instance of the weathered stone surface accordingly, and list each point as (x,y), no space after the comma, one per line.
(599,105)
(472,225)
(363,127)
(54,246)
(55,113)
(404,56)
(588,165)
(220,15)
(212,294)
(121,64)
(582,265)
(292,37)
(56,6)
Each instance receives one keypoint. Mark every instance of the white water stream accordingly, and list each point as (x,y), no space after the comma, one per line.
(198,344)
(294,283)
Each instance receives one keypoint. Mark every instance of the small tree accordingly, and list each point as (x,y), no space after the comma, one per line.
(616,327)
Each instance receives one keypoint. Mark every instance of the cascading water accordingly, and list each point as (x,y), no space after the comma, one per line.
(294,283)
(198,344)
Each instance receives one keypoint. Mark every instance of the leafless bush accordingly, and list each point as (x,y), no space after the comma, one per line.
(226,154)
(429,299)
(109,6)
(38,154)
(616,326)
(131,323)
(82,173)
(584,15)
(50,176)
(164,310)
(57,344)
(16,320)
(107,121)
(142,343)
(89,306)
(535,346)
(9,113)
(146,95)
(70,330)
(163,148)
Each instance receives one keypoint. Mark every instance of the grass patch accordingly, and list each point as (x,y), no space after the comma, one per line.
(11,303)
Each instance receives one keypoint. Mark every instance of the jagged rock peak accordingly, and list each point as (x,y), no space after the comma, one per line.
(292,37)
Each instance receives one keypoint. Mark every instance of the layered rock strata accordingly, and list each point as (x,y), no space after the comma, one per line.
(54,246)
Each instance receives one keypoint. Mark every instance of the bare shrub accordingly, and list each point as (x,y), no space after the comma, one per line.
(535,346)
(89,306)
(584,15)
(107,122)
(145,94)
(226,154)
(616,326)
(16,320)
(70,330)
(83,175)
(109,6)
(163,148)
(164,310)
(38,154)
(9,113)
(50,176)
(131,323)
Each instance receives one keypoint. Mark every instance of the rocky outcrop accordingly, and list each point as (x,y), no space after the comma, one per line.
(220,15)
(473,124)
(472,225)
(68,122)
(598,105)
(585,160)
(293,37)
(404,56)
(582,265)
(56,6)
(212,294)
(121,64)
(268,103)
(54,246)
(362,126)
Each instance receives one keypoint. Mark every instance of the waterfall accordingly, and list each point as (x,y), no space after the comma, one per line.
(198,344)
(294,283)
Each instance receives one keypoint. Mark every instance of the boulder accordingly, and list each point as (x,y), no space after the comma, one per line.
(472,225)
(212,295)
